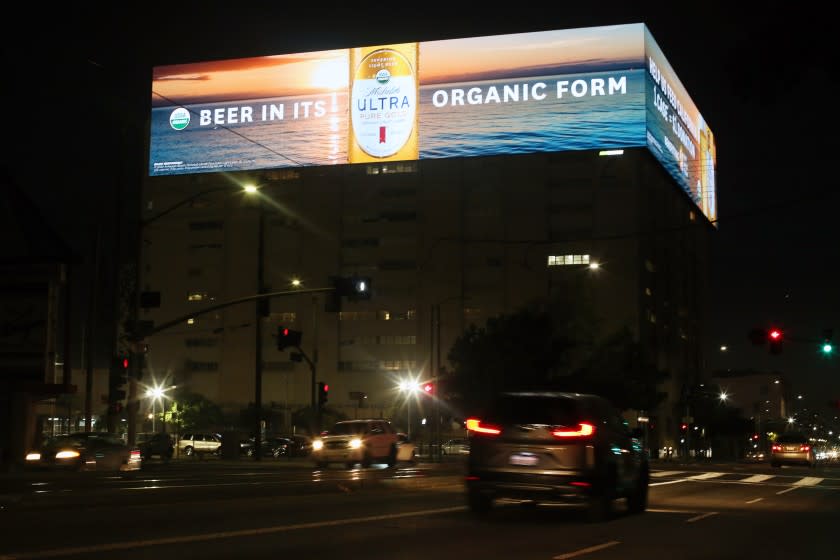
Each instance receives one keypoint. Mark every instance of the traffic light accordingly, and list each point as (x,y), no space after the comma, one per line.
(117,378)
(683,427)
(775,337)
(287,338)
(323,394)
(429,388)
(354,288)
(827,345)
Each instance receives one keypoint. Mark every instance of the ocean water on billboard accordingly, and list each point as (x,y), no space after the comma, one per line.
(302,141)
(547,125)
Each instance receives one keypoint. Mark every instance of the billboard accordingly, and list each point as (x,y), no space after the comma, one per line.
(549,91)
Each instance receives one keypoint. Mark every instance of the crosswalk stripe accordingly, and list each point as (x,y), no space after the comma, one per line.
(808,481)
(707,475)
(658,474)
(758,478)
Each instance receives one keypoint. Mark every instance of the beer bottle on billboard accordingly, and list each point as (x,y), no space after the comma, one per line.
(384,93)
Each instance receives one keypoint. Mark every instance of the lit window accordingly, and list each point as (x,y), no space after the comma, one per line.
(198,296)
(567,260)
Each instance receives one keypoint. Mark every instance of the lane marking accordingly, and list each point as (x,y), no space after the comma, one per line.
(668,482)
(587,550)
(706,476)
(754,501)
(757,478)
(808,481)
(657,474)
(221,535)
(660,510)
(788,490)
(702,516)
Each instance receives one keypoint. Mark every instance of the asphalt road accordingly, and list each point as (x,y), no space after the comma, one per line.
(271,510)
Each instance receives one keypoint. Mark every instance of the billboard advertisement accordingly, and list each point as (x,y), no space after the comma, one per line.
(548,91)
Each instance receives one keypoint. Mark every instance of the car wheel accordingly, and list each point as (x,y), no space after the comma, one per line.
(479,504)
(366,460)
(250,452)
(637,501)
(189,451)
(350,465)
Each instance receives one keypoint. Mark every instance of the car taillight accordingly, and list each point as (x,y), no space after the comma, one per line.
(582,430)
(805,448)
(776,448)
(135,455)
(475,425)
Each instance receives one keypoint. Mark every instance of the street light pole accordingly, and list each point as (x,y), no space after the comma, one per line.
(258,366)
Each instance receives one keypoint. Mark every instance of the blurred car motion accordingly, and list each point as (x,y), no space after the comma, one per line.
(545,447)
(793,449)
(406,449)
(86,451)
(270,447)
(155,445)
(455,447)
(357,441)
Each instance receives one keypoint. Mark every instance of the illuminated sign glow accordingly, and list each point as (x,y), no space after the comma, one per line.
(600,88)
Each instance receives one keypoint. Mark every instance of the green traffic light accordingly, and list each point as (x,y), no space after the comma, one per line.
(827,348)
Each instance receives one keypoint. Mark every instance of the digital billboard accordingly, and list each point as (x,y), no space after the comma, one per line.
(549,91)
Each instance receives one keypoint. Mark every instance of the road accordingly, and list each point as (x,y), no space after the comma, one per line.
(193,509)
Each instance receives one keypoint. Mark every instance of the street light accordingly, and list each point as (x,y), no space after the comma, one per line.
(410,387)
(155,393)
(134,318)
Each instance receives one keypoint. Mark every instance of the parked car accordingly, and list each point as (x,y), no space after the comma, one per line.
(793,449)
(270,447)
(455,447)
(544,447)
(406,449)
(86,451)
(301,446)
(155,444)
(357,441)
(198,443)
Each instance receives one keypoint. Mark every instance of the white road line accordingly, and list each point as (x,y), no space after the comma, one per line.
(808,481)
(658,474)
(653,510)
(787,490)
(754,501)
(706,476)
(667,482)
(699,517)
(220,535)
(758,478)
(583,551)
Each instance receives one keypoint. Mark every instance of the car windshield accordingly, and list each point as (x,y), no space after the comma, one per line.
(533,409)
(348,428)
(792,438)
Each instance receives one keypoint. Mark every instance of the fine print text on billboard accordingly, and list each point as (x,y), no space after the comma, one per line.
(549,91)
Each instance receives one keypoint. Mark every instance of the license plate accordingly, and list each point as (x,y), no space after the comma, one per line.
(524,459)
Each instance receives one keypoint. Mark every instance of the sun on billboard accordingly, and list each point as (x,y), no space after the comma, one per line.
(550,91)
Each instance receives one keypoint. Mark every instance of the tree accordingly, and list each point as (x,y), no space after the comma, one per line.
(192,411)
(527,349)
(619,370)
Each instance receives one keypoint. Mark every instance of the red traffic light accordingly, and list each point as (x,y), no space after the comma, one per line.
(326,387)
(775,334)
(429,388)
(683,426)
(125,363)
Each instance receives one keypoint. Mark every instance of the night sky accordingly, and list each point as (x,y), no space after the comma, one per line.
(76,94)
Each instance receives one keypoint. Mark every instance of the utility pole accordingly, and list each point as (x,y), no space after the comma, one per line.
(258,366)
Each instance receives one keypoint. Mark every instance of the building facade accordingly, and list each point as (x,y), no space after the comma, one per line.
(447,243)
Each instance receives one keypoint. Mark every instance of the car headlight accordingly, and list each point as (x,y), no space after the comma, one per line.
(355,443)
(317,445)
(33,456)
(67,454)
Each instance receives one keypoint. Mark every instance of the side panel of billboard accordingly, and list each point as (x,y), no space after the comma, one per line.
(549,91)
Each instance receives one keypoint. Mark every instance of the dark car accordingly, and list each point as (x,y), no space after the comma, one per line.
(156,445)
(270,447)
(300,445)
(86,451)
(793,449)
(549,447)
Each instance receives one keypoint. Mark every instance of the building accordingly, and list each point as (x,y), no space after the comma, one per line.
(448,240)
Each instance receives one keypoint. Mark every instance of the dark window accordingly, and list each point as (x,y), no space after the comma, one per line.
(534,409)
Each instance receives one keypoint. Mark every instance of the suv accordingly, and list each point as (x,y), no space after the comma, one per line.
(357,441)
(548,447)
(155,444)
(199,443)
